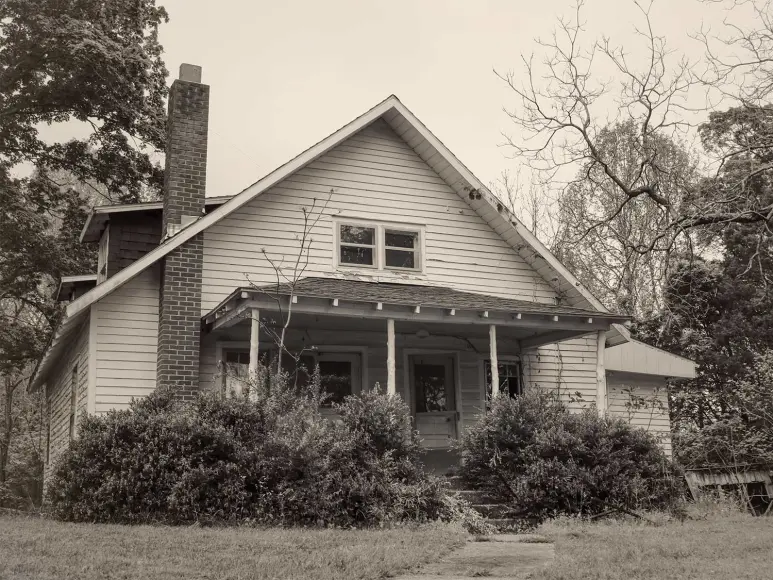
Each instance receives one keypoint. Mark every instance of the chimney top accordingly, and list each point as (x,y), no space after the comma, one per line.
(190,73)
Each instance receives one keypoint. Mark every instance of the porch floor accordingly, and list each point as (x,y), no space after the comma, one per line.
(441,461)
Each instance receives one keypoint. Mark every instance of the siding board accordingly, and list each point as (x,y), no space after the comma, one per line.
(127,339)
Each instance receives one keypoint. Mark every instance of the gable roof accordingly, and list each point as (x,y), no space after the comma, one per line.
(432,150)
(435,154)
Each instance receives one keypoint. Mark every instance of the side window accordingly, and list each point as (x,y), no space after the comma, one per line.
(73,400)
(104,242)
(401,249)
(509,378)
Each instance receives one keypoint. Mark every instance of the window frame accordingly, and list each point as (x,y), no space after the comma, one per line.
(329,352)
(501,360)
(380,248)
(74,383)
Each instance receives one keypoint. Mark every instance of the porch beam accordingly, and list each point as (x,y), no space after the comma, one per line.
(230,317)
(254,346)
(492,334)
(601,374)
(391,381)
(537,321)
(548,338)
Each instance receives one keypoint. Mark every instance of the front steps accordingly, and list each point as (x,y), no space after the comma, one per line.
(497,514)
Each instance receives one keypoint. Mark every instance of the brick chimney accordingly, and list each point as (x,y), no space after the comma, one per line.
(179,329)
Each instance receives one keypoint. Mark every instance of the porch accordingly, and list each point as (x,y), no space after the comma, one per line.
(433,346)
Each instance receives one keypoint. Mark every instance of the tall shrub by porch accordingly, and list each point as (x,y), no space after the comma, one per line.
(273,460)
(532,454)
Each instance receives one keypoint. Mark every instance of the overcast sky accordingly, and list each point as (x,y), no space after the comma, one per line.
(285,74)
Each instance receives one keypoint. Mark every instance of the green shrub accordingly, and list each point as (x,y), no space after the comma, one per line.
(273,460)
(533,454)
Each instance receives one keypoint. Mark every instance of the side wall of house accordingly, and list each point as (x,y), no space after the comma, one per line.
(642,401)
(73,366)
(126,344)
(568,368)
(373,176)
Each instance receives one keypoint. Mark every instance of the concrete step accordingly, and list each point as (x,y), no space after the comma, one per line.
(474,497)
(492,510)
(455,482)
(506,524)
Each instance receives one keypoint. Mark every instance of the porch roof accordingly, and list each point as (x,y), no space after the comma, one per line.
(412,295)
(420,303)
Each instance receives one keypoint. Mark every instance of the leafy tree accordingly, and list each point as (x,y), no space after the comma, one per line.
(95,63)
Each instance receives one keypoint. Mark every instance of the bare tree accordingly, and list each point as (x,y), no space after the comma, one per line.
(564,102)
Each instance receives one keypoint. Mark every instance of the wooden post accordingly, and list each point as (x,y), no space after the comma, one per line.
(391,384)
(254,349)
(492,333)
(601,374)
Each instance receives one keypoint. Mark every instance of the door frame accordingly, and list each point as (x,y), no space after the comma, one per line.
(407,353)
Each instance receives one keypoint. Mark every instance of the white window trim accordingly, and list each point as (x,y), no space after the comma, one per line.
(379,254)
(511,359)
(221,346)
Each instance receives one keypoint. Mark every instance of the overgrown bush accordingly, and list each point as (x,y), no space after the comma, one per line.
(534,455)
(274,460)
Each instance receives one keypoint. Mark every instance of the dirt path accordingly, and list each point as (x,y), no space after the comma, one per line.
(512,556)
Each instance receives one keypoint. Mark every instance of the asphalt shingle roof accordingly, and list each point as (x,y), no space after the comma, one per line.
(414,294)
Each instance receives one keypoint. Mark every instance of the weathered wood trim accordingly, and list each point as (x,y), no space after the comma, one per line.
(601,375)
(391,381)
(550,338)
(494,364)
(254,345)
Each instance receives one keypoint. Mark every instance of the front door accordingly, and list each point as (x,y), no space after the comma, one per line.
(433,390)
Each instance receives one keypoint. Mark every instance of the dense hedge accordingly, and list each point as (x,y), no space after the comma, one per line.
(534,455)
(275,460)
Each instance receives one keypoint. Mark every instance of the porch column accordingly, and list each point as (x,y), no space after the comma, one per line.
(254,346)
(601,374)
(391,384)
(492,334)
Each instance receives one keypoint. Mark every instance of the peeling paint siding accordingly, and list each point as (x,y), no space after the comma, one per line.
(642,401)
(59,393)
(375,176)
(568,368)
(127,339)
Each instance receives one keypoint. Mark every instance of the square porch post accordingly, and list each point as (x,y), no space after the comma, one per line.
(254,346)
(391,384)
(601,374)
(492,333)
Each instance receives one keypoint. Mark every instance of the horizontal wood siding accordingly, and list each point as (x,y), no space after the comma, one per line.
(642,401)
(59,395)
(374,175)
(568,368)
(127,338)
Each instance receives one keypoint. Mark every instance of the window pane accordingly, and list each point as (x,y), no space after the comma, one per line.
(358,235)
(400,239)
(336,378)
(354,255)
(509,379)
(237,356)
(430,382)
(400,259)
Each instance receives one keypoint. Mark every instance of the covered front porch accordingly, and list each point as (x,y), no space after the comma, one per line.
(436,347)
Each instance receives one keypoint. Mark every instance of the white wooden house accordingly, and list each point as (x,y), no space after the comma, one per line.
(416,278)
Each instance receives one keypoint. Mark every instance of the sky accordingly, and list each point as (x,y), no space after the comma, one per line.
(285,74)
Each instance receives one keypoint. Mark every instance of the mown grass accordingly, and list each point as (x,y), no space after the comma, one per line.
(717,545)
(45,549)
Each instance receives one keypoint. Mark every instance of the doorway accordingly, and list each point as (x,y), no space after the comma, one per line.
(433,397)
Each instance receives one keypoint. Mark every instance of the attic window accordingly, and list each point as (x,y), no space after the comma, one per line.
(378,246)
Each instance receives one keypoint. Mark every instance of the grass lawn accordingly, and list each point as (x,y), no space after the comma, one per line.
(44,549)
(729,545)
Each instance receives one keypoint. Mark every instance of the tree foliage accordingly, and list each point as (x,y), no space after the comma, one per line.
(96,66)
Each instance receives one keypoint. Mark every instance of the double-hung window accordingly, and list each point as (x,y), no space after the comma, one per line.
(379,246)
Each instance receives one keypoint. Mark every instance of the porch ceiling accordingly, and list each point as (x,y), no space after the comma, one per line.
(349,304)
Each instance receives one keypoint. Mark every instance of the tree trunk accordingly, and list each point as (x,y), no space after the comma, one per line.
(5,441)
